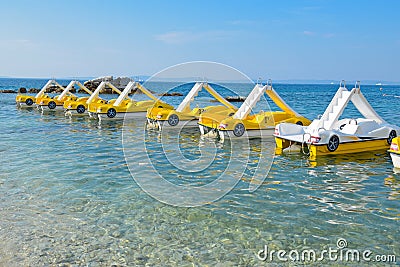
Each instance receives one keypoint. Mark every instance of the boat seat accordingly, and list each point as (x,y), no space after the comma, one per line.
(349,128)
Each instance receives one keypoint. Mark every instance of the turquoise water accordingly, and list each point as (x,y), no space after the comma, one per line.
(67,196)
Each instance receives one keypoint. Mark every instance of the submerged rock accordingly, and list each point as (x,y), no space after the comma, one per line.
(7,91)
(22,90)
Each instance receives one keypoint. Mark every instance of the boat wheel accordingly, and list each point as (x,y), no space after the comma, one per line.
(333,143)
(29,102)
(80,109)
(52,105)
(173,120)
(111,113)
(392,135)
(239,130)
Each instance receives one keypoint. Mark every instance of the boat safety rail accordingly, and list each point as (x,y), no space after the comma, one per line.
(357,85)
(343,83)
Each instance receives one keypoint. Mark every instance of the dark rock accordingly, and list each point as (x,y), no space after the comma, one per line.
(232,99)
(22,90)
(80,90)
(171,94)
(106,91)
(33,90)
(8,91)
(137,91)
(235,98)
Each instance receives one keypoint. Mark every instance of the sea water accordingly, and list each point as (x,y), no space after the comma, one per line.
(67,196)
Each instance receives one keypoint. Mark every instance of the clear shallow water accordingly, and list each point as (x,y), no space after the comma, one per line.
(67,197)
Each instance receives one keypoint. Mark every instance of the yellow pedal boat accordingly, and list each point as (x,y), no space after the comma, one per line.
(28,101)
(94,101)
(124,107)
(394,152)
(79,106)
(329,135)
(183,115)
(47,103)
(241,123)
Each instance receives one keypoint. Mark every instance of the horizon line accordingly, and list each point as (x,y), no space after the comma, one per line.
(283,81)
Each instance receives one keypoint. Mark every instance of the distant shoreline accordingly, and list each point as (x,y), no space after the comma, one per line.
(302,82)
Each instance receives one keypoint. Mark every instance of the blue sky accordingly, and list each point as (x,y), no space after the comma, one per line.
(303,39)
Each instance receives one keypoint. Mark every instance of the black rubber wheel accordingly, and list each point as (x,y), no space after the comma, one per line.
(392,135)
(111,113)
(29,102)
(333,143)
(80,109)
(239,130)
(299,123)
(52,105)
(173,120)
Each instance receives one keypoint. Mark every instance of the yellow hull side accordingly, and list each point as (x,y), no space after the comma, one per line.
(344,148)
(347,148)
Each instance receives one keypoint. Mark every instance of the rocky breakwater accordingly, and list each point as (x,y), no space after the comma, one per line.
(118,82)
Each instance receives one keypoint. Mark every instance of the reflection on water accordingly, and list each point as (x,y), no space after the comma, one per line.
(67,197)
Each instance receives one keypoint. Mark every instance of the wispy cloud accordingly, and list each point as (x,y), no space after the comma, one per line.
(174,37)
(182,37)
(309,33)
(15,44)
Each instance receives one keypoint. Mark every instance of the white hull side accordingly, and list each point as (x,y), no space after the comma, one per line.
(24,105)
(74,113)
(395,159)
(47,109)
(165,125)
(122,115)
(92,115)
(247,134)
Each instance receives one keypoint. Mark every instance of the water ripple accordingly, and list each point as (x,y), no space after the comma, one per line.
(67,198)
